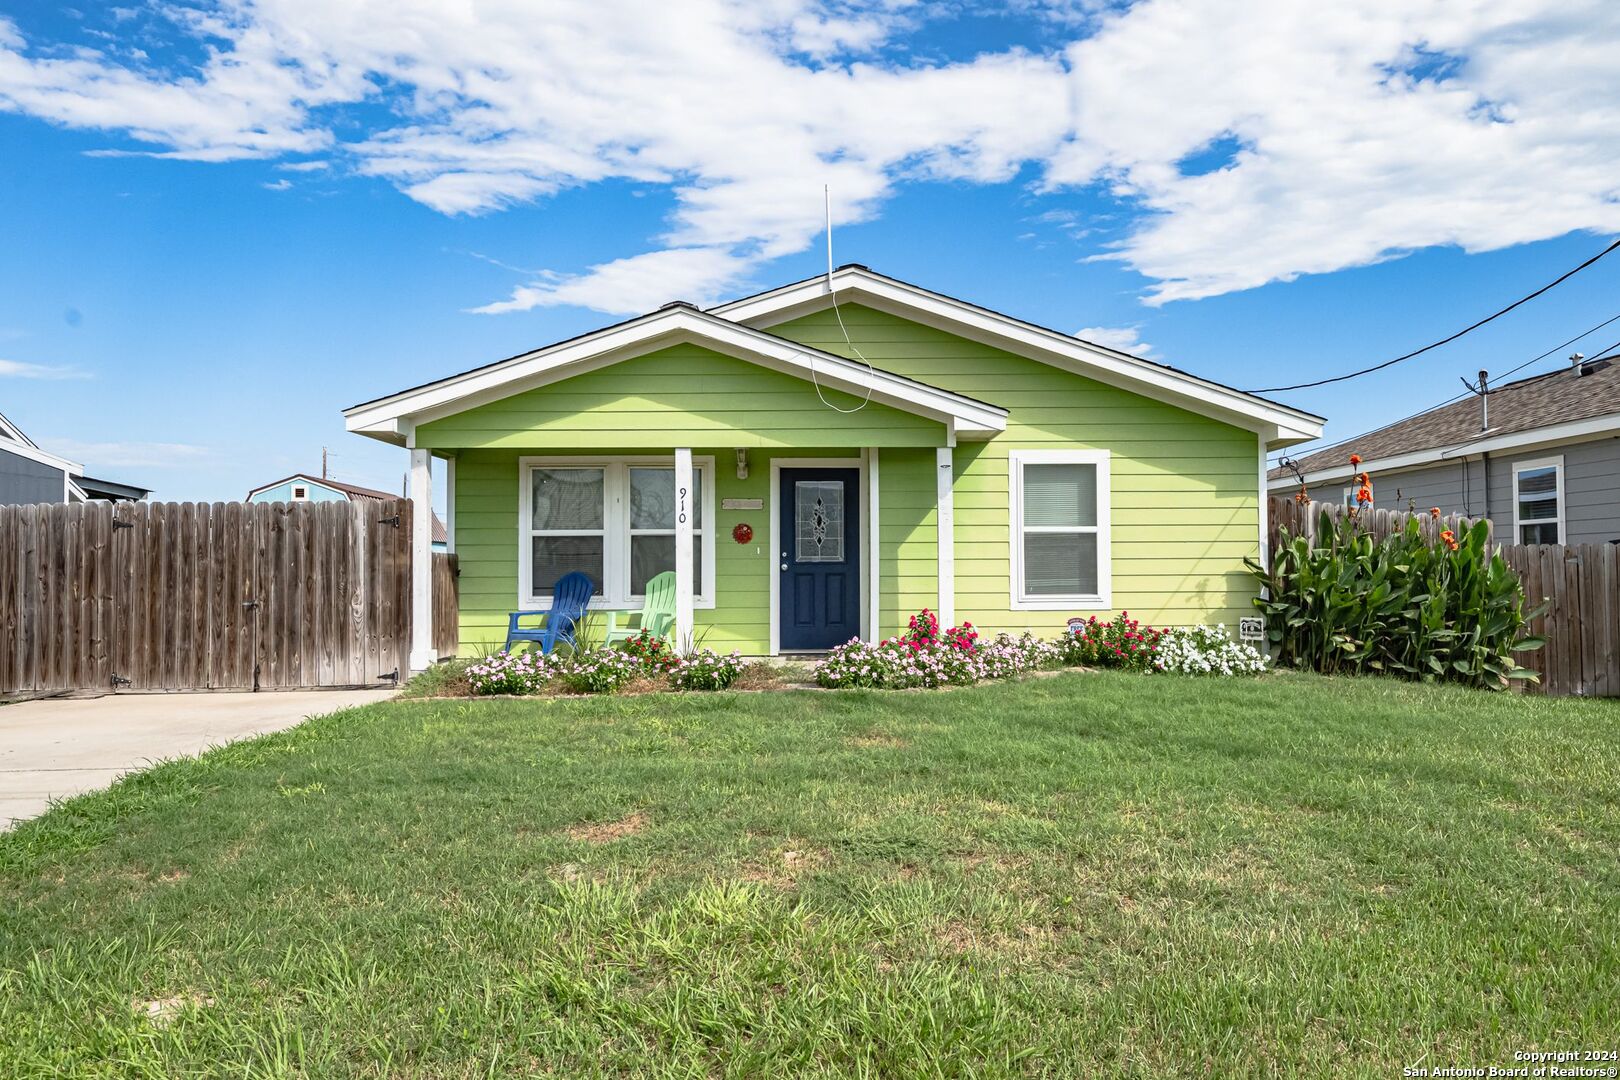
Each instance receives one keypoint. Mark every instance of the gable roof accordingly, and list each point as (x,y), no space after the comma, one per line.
(1542,408)
(1281,425)
(393,418)
(353,491)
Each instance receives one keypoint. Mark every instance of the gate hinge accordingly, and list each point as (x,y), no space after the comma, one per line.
(392,676)
(118,680)
(250,604)
(394,521)
(123,524)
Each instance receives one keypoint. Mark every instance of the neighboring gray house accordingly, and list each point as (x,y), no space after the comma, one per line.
(31,475)
(1544,467)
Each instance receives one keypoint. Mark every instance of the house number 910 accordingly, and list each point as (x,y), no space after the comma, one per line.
(681,508)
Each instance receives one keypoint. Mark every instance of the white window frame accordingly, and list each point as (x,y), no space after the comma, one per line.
(615,531)
(1556,463)
(1102,599)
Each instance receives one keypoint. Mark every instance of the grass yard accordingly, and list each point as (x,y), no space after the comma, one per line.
(1070,876)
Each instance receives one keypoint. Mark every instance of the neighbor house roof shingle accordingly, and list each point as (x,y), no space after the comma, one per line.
(1559,397)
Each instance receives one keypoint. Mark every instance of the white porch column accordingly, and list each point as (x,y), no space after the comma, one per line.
(946,515)
(422,655)
(684,509)
(874,525)
(450,505)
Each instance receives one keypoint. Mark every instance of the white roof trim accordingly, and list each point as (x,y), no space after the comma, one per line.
(1281,425)
(44,457)
(12,431)
(394,418)
(1484,444)
(294,478)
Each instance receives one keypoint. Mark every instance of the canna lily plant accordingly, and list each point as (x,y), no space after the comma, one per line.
(1450,611)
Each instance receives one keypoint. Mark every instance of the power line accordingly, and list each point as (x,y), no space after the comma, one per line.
(1446,340)
(1458,397)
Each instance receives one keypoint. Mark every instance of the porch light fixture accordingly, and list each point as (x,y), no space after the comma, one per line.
(742,464)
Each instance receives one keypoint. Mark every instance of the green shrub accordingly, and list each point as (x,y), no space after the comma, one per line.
(1449,610)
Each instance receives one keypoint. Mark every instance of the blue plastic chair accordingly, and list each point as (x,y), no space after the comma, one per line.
(569,599)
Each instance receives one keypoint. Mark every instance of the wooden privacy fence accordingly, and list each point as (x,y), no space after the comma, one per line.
(1304,519)
(183,596)
(1581,582)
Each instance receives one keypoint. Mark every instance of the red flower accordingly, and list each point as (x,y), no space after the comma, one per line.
(1355,459)
(1434,512)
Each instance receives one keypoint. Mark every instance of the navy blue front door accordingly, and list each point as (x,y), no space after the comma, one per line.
(819,526)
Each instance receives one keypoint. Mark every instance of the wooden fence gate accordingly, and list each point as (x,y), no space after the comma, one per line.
(190,596)
(1581,585)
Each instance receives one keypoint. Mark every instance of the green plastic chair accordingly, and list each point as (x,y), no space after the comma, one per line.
(657,614)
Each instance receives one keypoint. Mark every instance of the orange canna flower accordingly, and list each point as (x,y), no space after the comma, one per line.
(1364,494)
(1355,459)
(1434,512)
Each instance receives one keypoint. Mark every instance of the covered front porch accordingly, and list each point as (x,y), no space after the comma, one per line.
(774,550)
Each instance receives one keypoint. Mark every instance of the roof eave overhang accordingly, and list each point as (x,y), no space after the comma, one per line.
(1279,425)
(394,419)
(1576,430)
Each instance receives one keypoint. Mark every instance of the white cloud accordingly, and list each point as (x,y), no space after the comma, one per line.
(1362,130)
(278,185)
(1368,130)
(117,455)
(17,369)
(638,283)
(1125,339)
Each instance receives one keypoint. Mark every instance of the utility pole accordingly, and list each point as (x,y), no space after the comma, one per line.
(323,463)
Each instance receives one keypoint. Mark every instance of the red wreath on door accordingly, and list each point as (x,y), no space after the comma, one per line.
(742,532)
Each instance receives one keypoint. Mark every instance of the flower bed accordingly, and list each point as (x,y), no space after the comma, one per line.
(603,671)
(926,657)
(1206,650)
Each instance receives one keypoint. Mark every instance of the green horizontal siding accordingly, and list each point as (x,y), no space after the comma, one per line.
(1185,509)
(684,395)
(487,543)
(1183,494)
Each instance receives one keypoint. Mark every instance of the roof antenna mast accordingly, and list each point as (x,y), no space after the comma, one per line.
(1483,392)
(826,208)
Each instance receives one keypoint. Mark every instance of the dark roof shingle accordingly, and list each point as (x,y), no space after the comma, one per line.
(1558,397)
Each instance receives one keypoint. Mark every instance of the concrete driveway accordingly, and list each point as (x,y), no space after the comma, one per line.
(62,746)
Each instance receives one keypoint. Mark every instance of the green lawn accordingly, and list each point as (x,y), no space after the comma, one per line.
(1077,875)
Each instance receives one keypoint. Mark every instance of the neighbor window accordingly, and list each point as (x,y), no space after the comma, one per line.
(614,521)
(1538,501)
(1059,529)
(1350,498)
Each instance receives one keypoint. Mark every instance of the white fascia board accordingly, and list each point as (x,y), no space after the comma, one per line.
(1575,430)
(1280,425)
(394,418)
(34,453)
(12,431)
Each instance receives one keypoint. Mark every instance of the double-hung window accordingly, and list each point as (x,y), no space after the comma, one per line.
(612,520)
(1538,500)
(1060,549)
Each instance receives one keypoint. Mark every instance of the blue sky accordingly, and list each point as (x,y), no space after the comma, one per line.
(224,221)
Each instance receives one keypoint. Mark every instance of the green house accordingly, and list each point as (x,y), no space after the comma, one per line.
(819,461)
